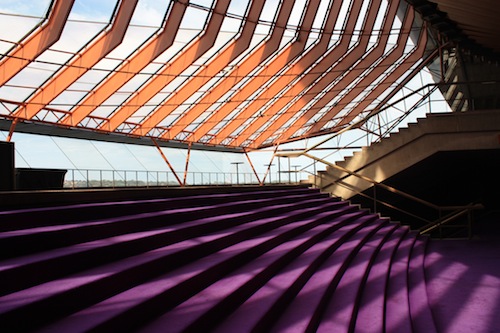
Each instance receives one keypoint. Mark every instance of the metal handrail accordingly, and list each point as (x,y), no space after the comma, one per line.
(458,211)
(91,178)
(350,187)
(451,217)
(374,182)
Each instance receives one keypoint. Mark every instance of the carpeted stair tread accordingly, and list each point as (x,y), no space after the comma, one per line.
(176,286)
(262,309)
(217,301)
(421,315)
(33,269)
(340,314)
(370,317)
(241,260)
(304,312)
(397,308)
(21,242)
(35,217)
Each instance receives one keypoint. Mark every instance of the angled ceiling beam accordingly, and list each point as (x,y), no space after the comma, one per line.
(239,72)
(38,42)
(277,64)
(372,56)
(370,77)
(317,87)
(290,74)
(128,69)
(173,69)
(81,63)
(408,62)
(218,63)
(351,76)
(181,184)
(417,54)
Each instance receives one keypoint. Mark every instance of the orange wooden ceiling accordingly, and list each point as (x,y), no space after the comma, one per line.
(271,82)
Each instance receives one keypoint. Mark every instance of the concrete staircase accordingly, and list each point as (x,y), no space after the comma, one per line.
(266,259)
(474,130)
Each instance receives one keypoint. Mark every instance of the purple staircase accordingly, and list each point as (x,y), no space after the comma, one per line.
(283,260)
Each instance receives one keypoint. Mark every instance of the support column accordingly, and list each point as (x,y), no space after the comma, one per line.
(181,184)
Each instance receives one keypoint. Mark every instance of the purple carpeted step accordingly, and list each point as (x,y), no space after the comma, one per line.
(206,309)
(340,314)
(21,242)
(182,212)
(370,316)
(36,217)
(305,311)
(421,316)
(104,281)
(397,308)
(26,271)
(129,308)
(262,309)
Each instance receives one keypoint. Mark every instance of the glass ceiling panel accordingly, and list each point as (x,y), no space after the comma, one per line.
(234,87)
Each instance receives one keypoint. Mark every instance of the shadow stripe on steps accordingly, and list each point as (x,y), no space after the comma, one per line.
(370,316)
(34,217)
(134,306)
(153,263)
(223,303)
(397,308)
(267,304)
(26,271)
(25,241)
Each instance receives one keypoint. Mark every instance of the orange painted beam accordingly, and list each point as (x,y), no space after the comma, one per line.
(253,168)
(288,76)
(372,76)
(173,69)
(240,71)
(343,65)
(80,64)
(126,71)
(11,130)
(372,57)
(417,54)
(168,162)
(38,42)
(326,80)
(218,63)
(381,87)
(187,164)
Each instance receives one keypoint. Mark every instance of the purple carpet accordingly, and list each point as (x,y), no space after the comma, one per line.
(263,260)
(463,281)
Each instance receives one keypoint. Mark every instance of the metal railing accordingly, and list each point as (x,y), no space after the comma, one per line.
(444,221)
(91,178)
(456,212)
